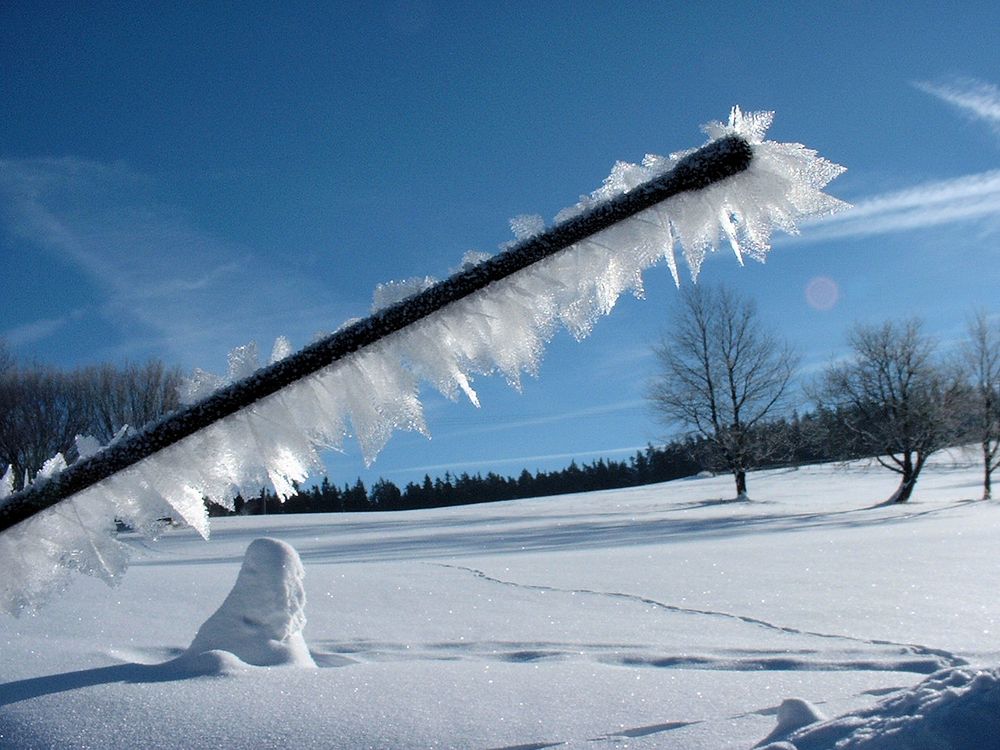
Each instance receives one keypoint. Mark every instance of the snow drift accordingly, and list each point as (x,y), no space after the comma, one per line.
(954,709)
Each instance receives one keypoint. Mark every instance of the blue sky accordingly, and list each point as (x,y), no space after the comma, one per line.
(178,179)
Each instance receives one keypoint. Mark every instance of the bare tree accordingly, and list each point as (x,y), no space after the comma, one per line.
(896,400)
(133,395)
(722,376)
(43,409)
(982,361)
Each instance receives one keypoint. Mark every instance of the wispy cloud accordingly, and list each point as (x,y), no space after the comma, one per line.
(520,461)
(977,99)
(548,419)
(37,330)
(168,287)
(971,198)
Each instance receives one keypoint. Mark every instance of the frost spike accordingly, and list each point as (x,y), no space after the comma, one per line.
(722,158)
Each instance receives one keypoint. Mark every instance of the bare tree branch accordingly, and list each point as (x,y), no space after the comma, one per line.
(722,376)
(896,399)
(981,359)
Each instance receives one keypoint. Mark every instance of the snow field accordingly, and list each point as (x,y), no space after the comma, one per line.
(663,616)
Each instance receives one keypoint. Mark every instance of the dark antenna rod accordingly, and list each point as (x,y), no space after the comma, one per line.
(712,163)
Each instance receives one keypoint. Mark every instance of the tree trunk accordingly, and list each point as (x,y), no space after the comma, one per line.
(905,489)
(909,480)
(987,472)
(741,484)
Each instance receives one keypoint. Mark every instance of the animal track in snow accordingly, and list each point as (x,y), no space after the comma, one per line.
(905,657)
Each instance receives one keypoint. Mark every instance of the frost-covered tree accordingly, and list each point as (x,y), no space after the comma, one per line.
(722,376)
(895,399)
(981,354)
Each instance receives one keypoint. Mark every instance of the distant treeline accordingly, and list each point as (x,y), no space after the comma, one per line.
(813,437)
(43,408)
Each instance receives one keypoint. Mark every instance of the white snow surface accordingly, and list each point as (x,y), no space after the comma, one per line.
(953,708)
(667,616)
(370,394)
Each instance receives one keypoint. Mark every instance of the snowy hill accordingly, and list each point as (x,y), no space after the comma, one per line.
(662,616)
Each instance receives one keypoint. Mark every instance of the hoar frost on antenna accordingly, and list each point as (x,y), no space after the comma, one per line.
(372,390)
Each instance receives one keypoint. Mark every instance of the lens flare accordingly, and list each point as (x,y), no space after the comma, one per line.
(822,293)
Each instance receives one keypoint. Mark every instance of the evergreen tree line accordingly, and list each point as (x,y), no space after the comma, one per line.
(812,438)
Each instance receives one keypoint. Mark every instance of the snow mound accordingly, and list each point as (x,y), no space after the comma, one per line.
(954,709)
(261,620)
(215,663)
(793,714)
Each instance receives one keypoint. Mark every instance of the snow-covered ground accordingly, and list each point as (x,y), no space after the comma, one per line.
(662,616)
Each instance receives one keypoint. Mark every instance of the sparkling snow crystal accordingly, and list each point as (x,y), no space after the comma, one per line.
(374,391)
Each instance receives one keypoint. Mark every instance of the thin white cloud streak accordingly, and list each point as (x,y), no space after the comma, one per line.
(971,198)
(523,461)
(549,419)
(38,330)
(966,199)
(977,99)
